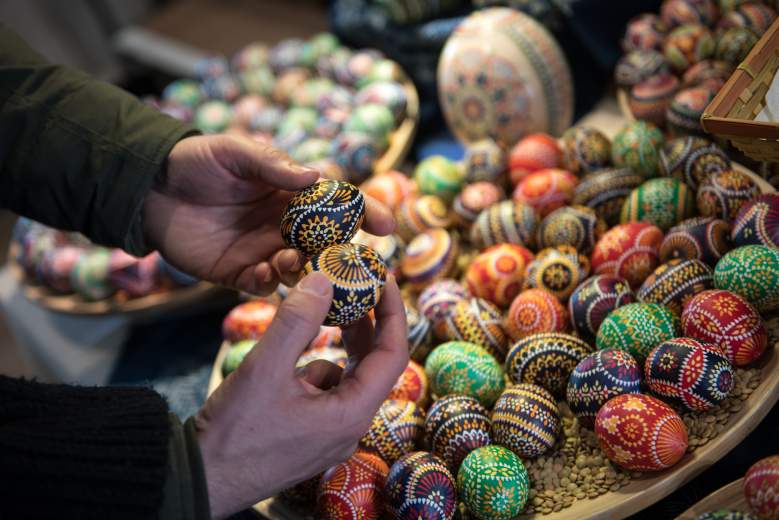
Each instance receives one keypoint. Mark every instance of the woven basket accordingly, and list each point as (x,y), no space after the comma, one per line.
(731,114)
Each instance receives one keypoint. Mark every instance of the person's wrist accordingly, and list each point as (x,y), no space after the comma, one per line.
(218,491)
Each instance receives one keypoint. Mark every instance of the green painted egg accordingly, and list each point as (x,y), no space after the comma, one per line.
(459,367)
(235,355)
(372,119)
(637,146)
(493,483)
(213,116)
(734,44)
(663,202)
(439,176)
(752,272)
(637,328)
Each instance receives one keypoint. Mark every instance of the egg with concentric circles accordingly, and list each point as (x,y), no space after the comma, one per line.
(395,429)
(605,191)
(526,420)
(497,274)
(629,251)
(506,221)
(559,270)
(420,487)
(458,367)
(673,284)
(353,488)
(579,227)
(534,311)
(761,487)
(455,426)
(637,328)
(594,299)
(757,222)
(585,150)
(438,300)
(429,257)
(751,272)
(493,483)
(248,320)
(699,238)
(416,215)
(663,202)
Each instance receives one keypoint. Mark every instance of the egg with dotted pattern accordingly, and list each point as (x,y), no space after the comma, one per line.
(429,257)
(594,299)
(605,190)
(480,322)
(559,270)
(757,222)
(585,150)
(637,328)
(761,487)
(421,487)
(497,274)
(673,284)
(687,45)
(751,272)
(575,226)
(455,426)
(353,488)
(412,385)
(395,429)
(699,238)
(629,251)
(506,221)
(526,420)
(534,311)
(438,300)
(663,202)
(692,160)
(459,367)
(637,146)
(493,483)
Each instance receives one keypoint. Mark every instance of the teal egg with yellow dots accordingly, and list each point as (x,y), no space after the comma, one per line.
(663,202)
(493,483)
(459,367)
(637,146)
(439,176)
(637,328)
(752,272)
(372,119)
(235,355)
(526,420)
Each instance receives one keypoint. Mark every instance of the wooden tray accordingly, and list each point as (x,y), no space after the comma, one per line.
(624,105)
(403,137)
(726,497)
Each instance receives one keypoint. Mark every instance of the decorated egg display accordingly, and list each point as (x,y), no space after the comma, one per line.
(357,274)
(725,514)
(525,420)
(637,328)
(679,12)
(213,116)
(599,377)
(673,284)
(439,176)
(650,98)
(534,311)
(546,359)
(575,226)
(235,355)
(353,489)
(480,322)
(594,299)
(585,150)
(507,221)
(390,188)
(663,202)
(412,385)
(752,272)
(473,199)
(437,302)
(688,373)
(605,191)
(692,160)
(628,251)
(324,214)
(636,146)
(641,433)
(546,190)
(356,154)
(708,73)
(497,274)
(753,15)
(699,238)
(640,65)
(484,161)
(558,270)
(458,367)
(430,256)
(248,320)
(56,266)
(532,153)
(384,93)
(761,487)
(757,222)
(311,150)
(645,31)
(502,75)
(493,483)
(420,487)
(684,113)
(389,247)
(687,45)
(416,215)
(455,426)
(89,278)
(734,44)
(395,429)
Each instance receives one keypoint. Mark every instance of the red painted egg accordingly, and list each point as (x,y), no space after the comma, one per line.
(498,273)
(533,152)
(535,311)
(761,487)
(412,385)
(353,489)
(248,320)
(546,190)
(629,251)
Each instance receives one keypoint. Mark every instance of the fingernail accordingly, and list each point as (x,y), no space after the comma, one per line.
(301,371)
(315,284)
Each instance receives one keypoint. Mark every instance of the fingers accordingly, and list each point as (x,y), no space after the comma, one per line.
(321,374)
(378,217)
(249,159)
(358,339)
(287,265)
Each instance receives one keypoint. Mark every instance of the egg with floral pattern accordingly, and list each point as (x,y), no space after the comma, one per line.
(353,488)
(412,384)
(673,284)
(395,429)
(559,270)
(637,146)
(497,274)
(493,483)
(248,320)
(663,202)
(458,367)
(637,328)
(757,222)
(455,426)
(752,272)
(438,301)
(629,251)
(761,487)
(585,150)
(575,226)
(534,311)
(594,299)
(687,45)
(526,420)
(698,238)
(480,322)
(605,190)
(421,487)
(723,194)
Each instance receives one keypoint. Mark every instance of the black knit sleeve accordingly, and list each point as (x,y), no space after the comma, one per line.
(81,452)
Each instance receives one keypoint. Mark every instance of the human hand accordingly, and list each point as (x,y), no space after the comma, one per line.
(217,215)
(269,426)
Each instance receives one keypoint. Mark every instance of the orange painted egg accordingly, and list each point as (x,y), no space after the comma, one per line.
(532,153)
(498,273)
(546,190)
(412,385)
(353,489)
(534,311)
(629,251)
(248,320)
(390,188)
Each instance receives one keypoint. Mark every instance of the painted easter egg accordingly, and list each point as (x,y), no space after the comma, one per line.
(629,251)
(753,15)
(637,146)
(752,272)
(484,160)
(437,302)
(235,355)
(335,355)
(395,429)
(637,328)
(57,264)
(687,373)
(640,65)
(699,238)
(692,160)
(89,277)
(559,270)
(687,45)
(708,73)
(250,56)
(645,31)
(497,274)
(353,489)
(594,299)
(684,113)
(546,190)
(640,433)
(599,377)
(185,92)
(356,154)
(390,188)
(673,284)
(480,322)
(680,12)
(455,426)
(213,116)
(420,487)
(311,150)
(663,202)
(458,367)
(493,483)
(248,320)
(725,514)
(390,248)
(416,215)
(420,334)
(532,153)
(761,487)
(575,226)
(585,150)
(439,176)
(507,221)
(534,311)
(385,93)
(473,199)
(757,222)
(429,257)
(526,420)
(226,87)
(649,99)
(734,44)
(412,385)
(502,75)
(259,81)
(357,274)
(605,191)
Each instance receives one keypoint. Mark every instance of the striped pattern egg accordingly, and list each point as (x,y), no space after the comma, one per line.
(534,311)
(687,45)
(458,367)
(484,161)
(439,176)
(637,328)
(699,238)
(645,31)
(723,194)
(649,99)
(420,334)
(248,320)
(559,270)
(429,257)
(709,73)
(729,321)
(599,377)
(455,426)
(752,15)
(629,251)
(673,284)
(585,150)
(605,191)
(636,146)
(692,160)
(420,487)
(526,420)
(493,483)
(437,302)
(640,433)
(532,153)
(480,322)
(497,274)
(546,360)
(546,190)
(757,222)
(751,272)
(416,215)
(594,299)
(505,222)
(353,489)
(473,199)
(577,226)
(412,385)
(395,429)
(734,44)
(761,487)
(663,202)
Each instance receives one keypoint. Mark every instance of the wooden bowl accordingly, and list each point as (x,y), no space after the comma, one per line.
(726,497)
(402,138)
(623,100)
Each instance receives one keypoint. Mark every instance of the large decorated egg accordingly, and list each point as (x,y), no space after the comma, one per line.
(605,191)
(458,367)
(502,75)
(353,489)
(649,99)
(390,188)
(723,194)
(679,12)
(599,377)
(575,226)
(473,199)
(480,322)
(526,420)
(438,300)
(89,277)
(430,256)
(390,248)
(455,426)
(532,153)
(752,272)
(420,487)
(636,146)
(559,270)
(493,483)
(640,433)
(640,65)
(357,274)
(685,372)
(498,273)
(484,161)
(412,385)
(594,299)
(439,176)
(761,487)
(645,31)
(637,328)
(687,45)
(248,320)
(235,355)
(692,160)
(507,221)
(757,222)
(729,321)
(684,113)
(416,215)
(699,238)
(546,190)
(629,251)
(534,311)
(546,359)
(673,284)
(663,202)
(420,334)
(585,150)
(395,429)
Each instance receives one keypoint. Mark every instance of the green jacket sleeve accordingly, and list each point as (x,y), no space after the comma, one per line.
(185,494)
(76,153)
